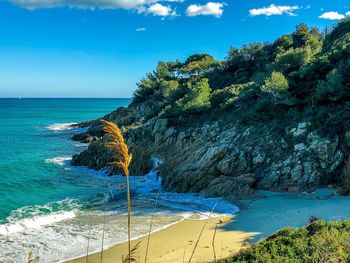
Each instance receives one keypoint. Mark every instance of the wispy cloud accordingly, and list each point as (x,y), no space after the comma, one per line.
(209,9)
(89,4)
(140,29)
(333,15)
(273,10)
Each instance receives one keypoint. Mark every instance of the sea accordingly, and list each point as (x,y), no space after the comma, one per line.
(57,211)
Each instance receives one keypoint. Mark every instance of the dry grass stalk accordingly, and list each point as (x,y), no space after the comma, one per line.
(131,257)
(150,227)
(183,256)
(213,243)
(122,161)
(103,228)
(31,258)
(88,245)
(200,235)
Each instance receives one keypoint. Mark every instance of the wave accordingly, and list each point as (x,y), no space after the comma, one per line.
(61,126)
(59,231)
(61,160)
(35,222)
(36,216)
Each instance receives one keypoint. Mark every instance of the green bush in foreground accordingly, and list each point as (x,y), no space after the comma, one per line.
(318,242)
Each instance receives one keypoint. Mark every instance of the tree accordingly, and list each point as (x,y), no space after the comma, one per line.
(162,71)
(301,35)
(276,85)
(331,88)
(292,60)
(282,44)
(145,89)
(197,98)
(198,64)
(168,88)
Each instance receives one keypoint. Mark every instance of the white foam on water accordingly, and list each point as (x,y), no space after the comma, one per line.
(62,233)
(61,126)
(34,223)
(61,160)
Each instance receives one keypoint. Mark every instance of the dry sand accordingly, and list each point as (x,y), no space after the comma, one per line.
(257,219)
(170,245)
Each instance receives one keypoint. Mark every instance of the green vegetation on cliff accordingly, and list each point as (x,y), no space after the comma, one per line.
(318,242)
(303,73)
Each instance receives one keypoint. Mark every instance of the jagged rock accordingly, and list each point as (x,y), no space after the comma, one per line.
(296,172)
(82,137)
(217,157)
(347,138)
(258,158)
(300,147)
(158,138)
(168,133)
(300,130)
(160,126)
(231,187)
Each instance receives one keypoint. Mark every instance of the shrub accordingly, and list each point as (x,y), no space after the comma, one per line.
(276,85)
(197,98)
(168,89)
(227,96)
(292,60)
(319,242)
(332,88)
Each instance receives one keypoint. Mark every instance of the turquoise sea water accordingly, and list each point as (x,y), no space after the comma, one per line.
(31,144)
(48,206)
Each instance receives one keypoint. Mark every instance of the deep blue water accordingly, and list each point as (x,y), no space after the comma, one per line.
(32,147)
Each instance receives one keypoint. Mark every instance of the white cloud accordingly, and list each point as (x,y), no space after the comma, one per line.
(274,10)
(347,13)
(89,4)
(210,8)
(332,16)
(140,29)
(160,10)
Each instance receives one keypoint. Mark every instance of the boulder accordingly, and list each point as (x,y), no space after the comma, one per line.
(160,126)
(231,187)
(82,137)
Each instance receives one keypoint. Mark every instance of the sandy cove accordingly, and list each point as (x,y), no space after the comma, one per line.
(257,219)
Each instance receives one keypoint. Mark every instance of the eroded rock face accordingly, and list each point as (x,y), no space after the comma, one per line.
(220,158)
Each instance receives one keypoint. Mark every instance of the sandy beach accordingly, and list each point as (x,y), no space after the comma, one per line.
(176,243)
(257,219)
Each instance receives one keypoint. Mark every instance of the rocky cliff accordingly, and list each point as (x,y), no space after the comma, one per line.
(270,116)
(221,156)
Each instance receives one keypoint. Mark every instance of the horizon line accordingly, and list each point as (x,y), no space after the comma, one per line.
(20,98)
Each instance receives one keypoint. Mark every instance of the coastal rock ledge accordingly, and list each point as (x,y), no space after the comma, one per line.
(220,156)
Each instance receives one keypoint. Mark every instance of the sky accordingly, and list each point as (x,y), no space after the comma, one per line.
(101,48)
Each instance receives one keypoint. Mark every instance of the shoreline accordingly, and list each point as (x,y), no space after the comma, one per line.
(184,235)
(257,219)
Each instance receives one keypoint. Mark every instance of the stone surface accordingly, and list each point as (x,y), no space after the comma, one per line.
(221,158)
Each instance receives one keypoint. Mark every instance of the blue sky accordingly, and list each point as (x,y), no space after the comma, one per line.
(101,48)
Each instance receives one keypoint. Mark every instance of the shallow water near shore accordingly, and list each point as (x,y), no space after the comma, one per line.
(49,207)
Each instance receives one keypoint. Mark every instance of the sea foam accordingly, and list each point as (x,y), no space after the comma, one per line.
(35,222)
(59,231)
(61,160)
(61,126)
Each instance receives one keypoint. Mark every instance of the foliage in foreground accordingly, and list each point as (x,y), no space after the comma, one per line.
(318,242)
